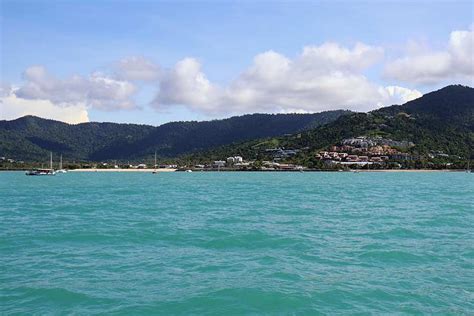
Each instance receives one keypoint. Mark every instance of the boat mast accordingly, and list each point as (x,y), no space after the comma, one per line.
(155,161)
(51,160)
(61,162)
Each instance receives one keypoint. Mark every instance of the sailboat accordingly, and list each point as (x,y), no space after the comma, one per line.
(468,170)
(61,170)
(154,170)
(43,172)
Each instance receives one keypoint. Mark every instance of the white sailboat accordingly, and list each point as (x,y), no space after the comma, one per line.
(43,172)
(154,170)
(61,170)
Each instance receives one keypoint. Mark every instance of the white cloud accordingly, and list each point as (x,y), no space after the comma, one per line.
(324,77)
(12,107)
(68,99)
(185,84)
(398,95)
(331,56)
(96,91)
(456,62)
(321,78)
(137,68)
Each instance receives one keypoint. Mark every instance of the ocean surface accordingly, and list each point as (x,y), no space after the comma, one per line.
(237,243)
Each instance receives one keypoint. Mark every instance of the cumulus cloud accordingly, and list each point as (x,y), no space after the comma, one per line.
(187,85)
(96,91)
(12,107)
(320,78)
(331,56)
(398,95)
(68,100)
(430,67)
(137,68)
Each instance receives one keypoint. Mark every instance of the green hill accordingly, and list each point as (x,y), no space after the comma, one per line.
(440,121)
(31,138)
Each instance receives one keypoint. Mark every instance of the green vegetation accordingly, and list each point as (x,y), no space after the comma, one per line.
(440,121)
(31,138)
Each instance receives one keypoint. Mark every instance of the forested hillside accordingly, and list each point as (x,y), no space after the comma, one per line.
(31,138)
(440,121)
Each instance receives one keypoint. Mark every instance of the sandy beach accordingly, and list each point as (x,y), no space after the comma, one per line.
(122,170)
(309,170)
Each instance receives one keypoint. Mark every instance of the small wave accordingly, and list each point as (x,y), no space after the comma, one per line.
(59,295)
(237,301)
(251,240)
(395,256)
(398,233)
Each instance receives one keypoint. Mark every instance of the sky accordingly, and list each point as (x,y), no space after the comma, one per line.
(151,62)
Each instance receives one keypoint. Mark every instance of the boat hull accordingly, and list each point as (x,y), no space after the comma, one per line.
(40,173)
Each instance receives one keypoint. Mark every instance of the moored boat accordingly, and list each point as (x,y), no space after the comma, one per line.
(154,166)
(61,170)
(43,172)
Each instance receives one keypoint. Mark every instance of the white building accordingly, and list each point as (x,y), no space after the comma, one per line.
(219,163)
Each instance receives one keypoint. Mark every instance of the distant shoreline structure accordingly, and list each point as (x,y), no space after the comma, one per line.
(122,170)
(297,171)
(230,170)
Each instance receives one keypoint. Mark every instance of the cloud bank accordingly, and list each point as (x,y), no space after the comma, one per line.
(456,62)
(67,100)
(97,90)
(321,77)
(12,107)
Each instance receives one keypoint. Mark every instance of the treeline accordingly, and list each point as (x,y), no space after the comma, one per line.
(32,138)
(440,121)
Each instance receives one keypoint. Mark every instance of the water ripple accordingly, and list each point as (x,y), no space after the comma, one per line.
(237,243)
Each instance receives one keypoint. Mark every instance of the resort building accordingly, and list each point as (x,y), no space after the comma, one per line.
(219,164)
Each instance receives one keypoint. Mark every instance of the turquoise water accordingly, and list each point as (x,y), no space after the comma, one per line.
(237,243)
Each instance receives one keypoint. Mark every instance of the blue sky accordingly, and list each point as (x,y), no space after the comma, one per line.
(219,42)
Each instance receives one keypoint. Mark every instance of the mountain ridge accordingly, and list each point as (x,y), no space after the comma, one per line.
(30,137)
(442,120)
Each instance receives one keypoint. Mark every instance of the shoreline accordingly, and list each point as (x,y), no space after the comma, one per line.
(123,170)
(230,170)
(309,170)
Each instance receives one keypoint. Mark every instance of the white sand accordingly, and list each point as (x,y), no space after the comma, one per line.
(122,170)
